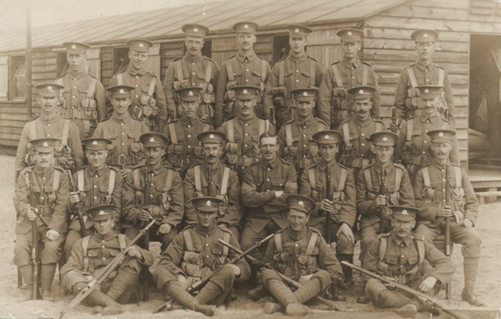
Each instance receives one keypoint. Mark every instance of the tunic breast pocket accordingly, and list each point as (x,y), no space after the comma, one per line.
(104,197)
(278,184)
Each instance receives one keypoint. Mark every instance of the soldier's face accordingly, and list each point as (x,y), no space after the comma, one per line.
(206,219)
(362,107)
(120,104)
(430,106)
(43,159)
(246,107)
(305,108)
(48,104)
(189,109)
(212,152)
(441,150)
(154,155)
(245,41)
(138,59)
(96,159)
(297,44)
(403,228)
(269,148)
(104,227)
(76,61)
(328,152)
(194,45)
(384,153)
(297,220)
(424,50)
(350,49)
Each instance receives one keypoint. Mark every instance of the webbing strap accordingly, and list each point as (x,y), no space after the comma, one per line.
(85,245)
(168,182)
(322,127)
(398,179)
(188,241)
(364,75)
(59,81)
(120,80)
(421,251)
(121,242)
(263,71)
(66,131)
(281,73)
(179,70)
(263,126)
(80,176)
(198,182)
(224,183)
(368,180)
(208,73)
(383,244)
(342,180)
(92,87)
(337,76)
(313,74)
(135,175)
(111,182)
(55,181)
(32,130)
(311,243)
(412,76)
(441,76)
(426,177)
(173,135)
(288,134)
(231,133)
(346,134)
(151,89)
(410,127)
(229,71)
(278,242)
(226,238)
(206,127)
(457,172)
(379,127)
(311,178)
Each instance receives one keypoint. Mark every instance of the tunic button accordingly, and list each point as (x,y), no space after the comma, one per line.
(353,77)
(247,70)
(426,131)
(151,195)
(95,186)
(152,184)
(193,84)
(137,76)
(402,256)
(192,63)
(48,124)
(74,87)
(41,198)
(193,73)
(443,190)
(189,135)
(73,96)
(123,144)
(121,123)
(246,80)
(48,135)
(189,146)
(424,152)
(363,134)
(304,135)
(443,180)
(245,145)
(268,179)
(95,197)
(246,134)
(425,142)
(123,133)
(304,155)
(208,256)
(269,168)
(297,70)
(296,245)
(43,177)
(189,126)
(104,258)
(246,124)
(362,155)
(297,80)
(304,145)
(363,144)
(137,95)
(206,244)
(103,247)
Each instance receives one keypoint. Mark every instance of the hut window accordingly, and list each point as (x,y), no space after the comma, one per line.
(120,59)
(93,63)
(17,78)
(281,47)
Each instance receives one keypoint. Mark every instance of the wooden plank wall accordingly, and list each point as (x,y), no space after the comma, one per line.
(388,47)
(225,46)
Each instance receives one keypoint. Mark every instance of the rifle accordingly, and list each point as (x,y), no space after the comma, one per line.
(333,118)
(382,209)
(78,206)
(201,283)
(210,182)
(328,213)
(146,205)
(420,296)
(288,280)
(273,120)
(96,282)
(447,240)
(35,253)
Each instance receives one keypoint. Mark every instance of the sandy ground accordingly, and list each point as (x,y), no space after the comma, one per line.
(488,283)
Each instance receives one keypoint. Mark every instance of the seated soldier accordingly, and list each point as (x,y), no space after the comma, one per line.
(411,261)
(89,257)
(197,253)
(302,254)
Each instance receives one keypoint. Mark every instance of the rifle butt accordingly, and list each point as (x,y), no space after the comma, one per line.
(453,313)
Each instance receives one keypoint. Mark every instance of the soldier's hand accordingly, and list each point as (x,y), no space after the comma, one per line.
(428,284)
(326,205)
(446,212)
(278,193)
(393,127)
(381,200)
(235,268)
(345,229)
(224,225)
(467,223)
(125,172)
(164,229)
(182,280)
(133,252)
(144,215)
(52,234)
(74,197)
(32,213)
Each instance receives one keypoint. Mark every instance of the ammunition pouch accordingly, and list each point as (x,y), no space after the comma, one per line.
(313,150)
(223,207)
(232,153)
(229,96)
(28,158)
(62,154)
(166,199)
(198,151)
(338,198)
(304,163)
(192,264)
(458,199)
(339,99)
(412,101)
(245,161)
(138,198)
(175,154)
(136,152)
(290,153)
(428,194)
(181,85)
(359,162)
(89,109)
(394,199)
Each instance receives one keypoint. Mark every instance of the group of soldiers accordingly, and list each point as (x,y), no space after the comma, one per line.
(235,153)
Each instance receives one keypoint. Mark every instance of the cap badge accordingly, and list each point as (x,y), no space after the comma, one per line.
(208,203)
(246,26)
(326,137)
(73,46)
(121,91)
(141,45)
(152,140)
(361,92)
(301,203)
(101,212)
(45,144)
(211,136)
(94,143)
(49,88)
(425,35)
(296,30)
(404,212)
(305,93)
(190,93)
(385,139)
(441,134)
(349,33)
(195,30)
(426,91)
(245,91)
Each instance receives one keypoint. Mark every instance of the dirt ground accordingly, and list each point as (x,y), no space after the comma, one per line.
(488,283)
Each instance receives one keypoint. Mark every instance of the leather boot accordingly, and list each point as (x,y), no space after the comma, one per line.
(126,278)
(272,307)
(176,291)
(336,293)
(109,306)
(470,278)
(408,311)
(209,292)
(347,271)
(308,290)
(27,274)
(47,276)
(297,310)
(260,291)
(281,292)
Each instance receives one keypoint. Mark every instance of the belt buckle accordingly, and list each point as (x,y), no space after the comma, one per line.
(121,160)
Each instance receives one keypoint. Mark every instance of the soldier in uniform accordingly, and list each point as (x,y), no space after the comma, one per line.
(183,150)
(244,68)
(148,100)
(153,190)
(49,123)
(91,254)
(296,70)
(124,131)
(83,94)
(196,253)
(340,201)
(411,261)
(343,75)
(212,178)
(413,145)
(302,254)
(296,145)
(357,151)
(244,129)
(93,185)
(41,195)
(423,72)
(443,190)
(192,70)
(379,185)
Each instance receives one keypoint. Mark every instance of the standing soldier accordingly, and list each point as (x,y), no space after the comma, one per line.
(332,187)
(41,196)
(83,94)
(148,100)
(410,261)
(343,75)
(357,151)
(93,185)
(91,254)
(126,149)
(192,70)
(153,190)
(212,178)
(244,129)
(421,73)
(302,254)
(195,254)
(296,70)
(443,191)
(183,150)
(49,123)
(244,68)
(380,185)
(294,137)
(413,145)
